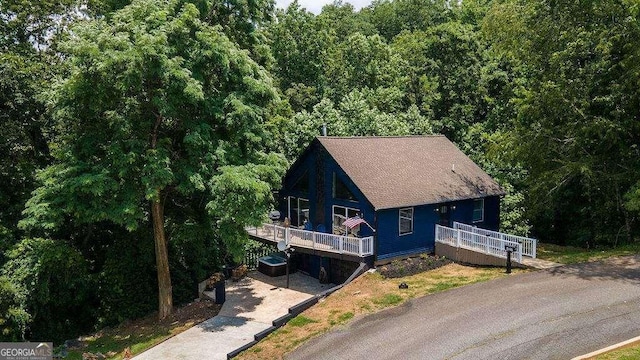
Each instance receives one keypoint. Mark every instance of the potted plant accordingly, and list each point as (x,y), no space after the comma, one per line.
(216,283)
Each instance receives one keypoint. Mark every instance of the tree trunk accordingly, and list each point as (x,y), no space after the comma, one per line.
(165,297)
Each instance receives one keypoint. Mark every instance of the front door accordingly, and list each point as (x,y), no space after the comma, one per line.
(445,215)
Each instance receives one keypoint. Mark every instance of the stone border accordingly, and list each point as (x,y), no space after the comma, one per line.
(295,310)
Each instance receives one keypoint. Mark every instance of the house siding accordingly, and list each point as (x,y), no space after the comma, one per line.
(422,239)
(391,244)
(464,213)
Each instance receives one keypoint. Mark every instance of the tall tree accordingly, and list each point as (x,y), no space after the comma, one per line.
(29,33)
(158,106)
(299,45)
(445,75)
(578,117)
(390,18)
(363,62)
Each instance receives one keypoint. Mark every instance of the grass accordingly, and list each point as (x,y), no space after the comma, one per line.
(367,294)
(300,321)
(142,334)
(387,300)
(627,353)
(572,255)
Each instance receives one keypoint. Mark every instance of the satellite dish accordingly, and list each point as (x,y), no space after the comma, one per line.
(282,245)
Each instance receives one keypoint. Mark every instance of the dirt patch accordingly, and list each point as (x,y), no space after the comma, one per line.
(412,266)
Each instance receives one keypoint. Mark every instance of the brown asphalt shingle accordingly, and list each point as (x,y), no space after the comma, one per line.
(395,172)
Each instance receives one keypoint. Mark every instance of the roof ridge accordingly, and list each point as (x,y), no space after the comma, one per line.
(380,137)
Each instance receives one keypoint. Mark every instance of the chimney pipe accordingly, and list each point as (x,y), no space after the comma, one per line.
(324,129)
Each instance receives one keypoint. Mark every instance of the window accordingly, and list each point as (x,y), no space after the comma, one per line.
(340,214)
(298,211)
(302,184)
(341,191)
(478,210)
(405,221)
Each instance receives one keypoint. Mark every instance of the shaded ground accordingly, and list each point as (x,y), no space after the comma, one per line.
(572,255)
(143,333)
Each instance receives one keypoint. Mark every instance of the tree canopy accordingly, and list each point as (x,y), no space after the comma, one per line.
(143,136)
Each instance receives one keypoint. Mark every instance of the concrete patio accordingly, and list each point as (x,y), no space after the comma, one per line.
(251,305)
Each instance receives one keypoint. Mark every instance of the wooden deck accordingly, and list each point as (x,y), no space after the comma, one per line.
(338,244)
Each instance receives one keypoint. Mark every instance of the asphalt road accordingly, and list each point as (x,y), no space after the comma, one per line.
(550,314)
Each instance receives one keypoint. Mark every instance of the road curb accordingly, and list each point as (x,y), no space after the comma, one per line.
(591,355)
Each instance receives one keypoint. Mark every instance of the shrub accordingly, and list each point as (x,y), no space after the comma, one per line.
(54,291)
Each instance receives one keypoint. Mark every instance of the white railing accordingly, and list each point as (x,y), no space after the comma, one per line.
(528,244)
(315,240)
(477,242)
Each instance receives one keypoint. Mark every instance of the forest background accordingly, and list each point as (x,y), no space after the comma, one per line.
(139,138)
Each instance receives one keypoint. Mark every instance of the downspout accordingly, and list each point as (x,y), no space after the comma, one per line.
(375,236)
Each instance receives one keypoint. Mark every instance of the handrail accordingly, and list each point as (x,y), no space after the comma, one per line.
(477,242)
(315,240)
(529,245)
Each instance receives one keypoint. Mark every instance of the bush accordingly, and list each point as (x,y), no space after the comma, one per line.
(52,291)
(412,266)
(128,281)
(14,319)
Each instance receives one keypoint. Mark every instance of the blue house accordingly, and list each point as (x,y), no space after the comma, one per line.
(400,188)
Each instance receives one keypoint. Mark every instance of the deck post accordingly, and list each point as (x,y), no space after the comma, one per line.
(534,245)
(341,243)
(486,244)
(458,238)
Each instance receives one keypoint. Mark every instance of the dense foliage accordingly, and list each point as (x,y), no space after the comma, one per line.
(138,138)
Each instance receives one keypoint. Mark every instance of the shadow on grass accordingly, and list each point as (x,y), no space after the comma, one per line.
(624,268)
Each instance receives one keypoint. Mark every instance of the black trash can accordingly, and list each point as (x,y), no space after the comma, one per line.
(221,293)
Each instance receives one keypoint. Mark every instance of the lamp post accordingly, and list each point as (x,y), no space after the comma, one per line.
(288,249)
(288,252)
(509,250)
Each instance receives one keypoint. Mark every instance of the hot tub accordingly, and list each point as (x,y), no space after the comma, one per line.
(272,265)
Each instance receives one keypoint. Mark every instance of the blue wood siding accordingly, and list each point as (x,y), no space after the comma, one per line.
(425,217)
(422,239)
(321,168)
(464,213)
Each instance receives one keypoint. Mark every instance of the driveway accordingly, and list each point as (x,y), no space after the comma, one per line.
(251,305)
(550,314)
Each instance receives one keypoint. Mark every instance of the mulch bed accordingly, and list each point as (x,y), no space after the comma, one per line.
(412,266)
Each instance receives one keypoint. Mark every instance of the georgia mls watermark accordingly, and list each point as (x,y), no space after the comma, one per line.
(26,351)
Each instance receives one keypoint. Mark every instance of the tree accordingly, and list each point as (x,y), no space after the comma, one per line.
(390,18)
(577,127)
(445,75)
(360,113)
(363,62)
(299,46)
(158,104)
(54,297)
(29,33)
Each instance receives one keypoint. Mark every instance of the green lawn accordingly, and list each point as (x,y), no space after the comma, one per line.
(572,255)
(628,353)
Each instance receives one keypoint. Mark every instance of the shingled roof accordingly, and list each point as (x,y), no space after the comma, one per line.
(395,172)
